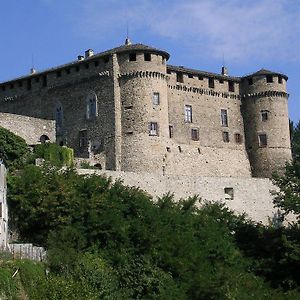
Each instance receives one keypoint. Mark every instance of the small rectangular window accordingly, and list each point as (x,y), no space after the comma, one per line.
(96,63)
(153,128)
(179,77)
(82,138)
(58,74)
(68,71)
(211,83)
(106,59)
(230,86)
(190,76)
(225,136)
(77,68)
(171,131)
(269,78)
(200,77)
(195,134)
(224,118)
(132,56)
(229,193)
(44,80)
(147,56)
(87,65)
(188,114)
(262,140)
(238,138)
(28,84)
(11,86)
(20,83)
(37,79)
(169,72)
(264,115)
(279,79)
(250,81)
(155,98)
(221,81)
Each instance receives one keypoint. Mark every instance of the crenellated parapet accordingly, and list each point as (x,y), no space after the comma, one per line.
(266,94)
(143,74)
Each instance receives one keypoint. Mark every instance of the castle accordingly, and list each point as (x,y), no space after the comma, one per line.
(127,110)
(132,112)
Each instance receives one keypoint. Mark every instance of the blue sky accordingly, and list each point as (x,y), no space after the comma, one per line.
(252,34)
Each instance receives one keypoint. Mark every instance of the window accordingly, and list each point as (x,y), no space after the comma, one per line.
(106,59)
(82,138)
(238,138)
(96,63)
(20,83)
(153,128)
(3,87)
(58,74)
(224,118)
(264,115)
(59,118)
(91,106)
(188,113)
(230,86)
(87,65)
(269,78)
(221,81)
(229,193)
(211,83)
(262,140)
(171,131)
(200,77)
(77,68)
(190,76)
(179,77)
(44,80)
(155,98)
(132,56)
(169,72)
(28,84)
(195,134)
(37,79)
(147,56)
(11,86)
(225,136)
(250,81)
(68,71)
(279,79)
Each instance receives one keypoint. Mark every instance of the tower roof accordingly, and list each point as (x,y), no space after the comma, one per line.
(266,72)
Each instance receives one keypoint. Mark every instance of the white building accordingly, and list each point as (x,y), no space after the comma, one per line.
(3,208)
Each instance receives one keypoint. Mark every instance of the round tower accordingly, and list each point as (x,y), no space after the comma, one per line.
(266,122)
(144,108)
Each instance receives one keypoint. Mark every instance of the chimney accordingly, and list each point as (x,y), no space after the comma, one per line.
(89,53)
(224,71)
(80,57)
(32,71)
(127,41)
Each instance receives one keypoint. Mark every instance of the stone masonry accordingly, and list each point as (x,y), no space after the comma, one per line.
(127,110)
(32,130)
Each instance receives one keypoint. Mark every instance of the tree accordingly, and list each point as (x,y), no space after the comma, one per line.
(13,149)
(295,141)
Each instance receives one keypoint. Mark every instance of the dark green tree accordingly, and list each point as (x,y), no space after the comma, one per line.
(13,149)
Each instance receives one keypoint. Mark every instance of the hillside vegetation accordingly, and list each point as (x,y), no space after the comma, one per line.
(109,241)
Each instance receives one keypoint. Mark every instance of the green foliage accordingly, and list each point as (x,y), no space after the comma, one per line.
(13,149)
(295,140)
(109,241)
(55,154)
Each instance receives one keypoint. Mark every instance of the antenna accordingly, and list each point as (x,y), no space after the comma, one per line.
(127,41)
(32,70)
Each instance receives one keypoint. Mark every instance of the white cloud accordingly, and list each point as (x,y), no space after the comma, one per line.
(243,30)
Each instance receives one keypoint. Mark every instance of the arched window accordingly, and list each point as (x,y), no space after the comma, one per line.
(91,106)
(59,117)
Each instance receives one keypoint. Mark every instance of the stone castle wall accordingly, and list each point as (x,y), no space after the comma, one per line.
(30,129)
(124,81)
(250,195)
